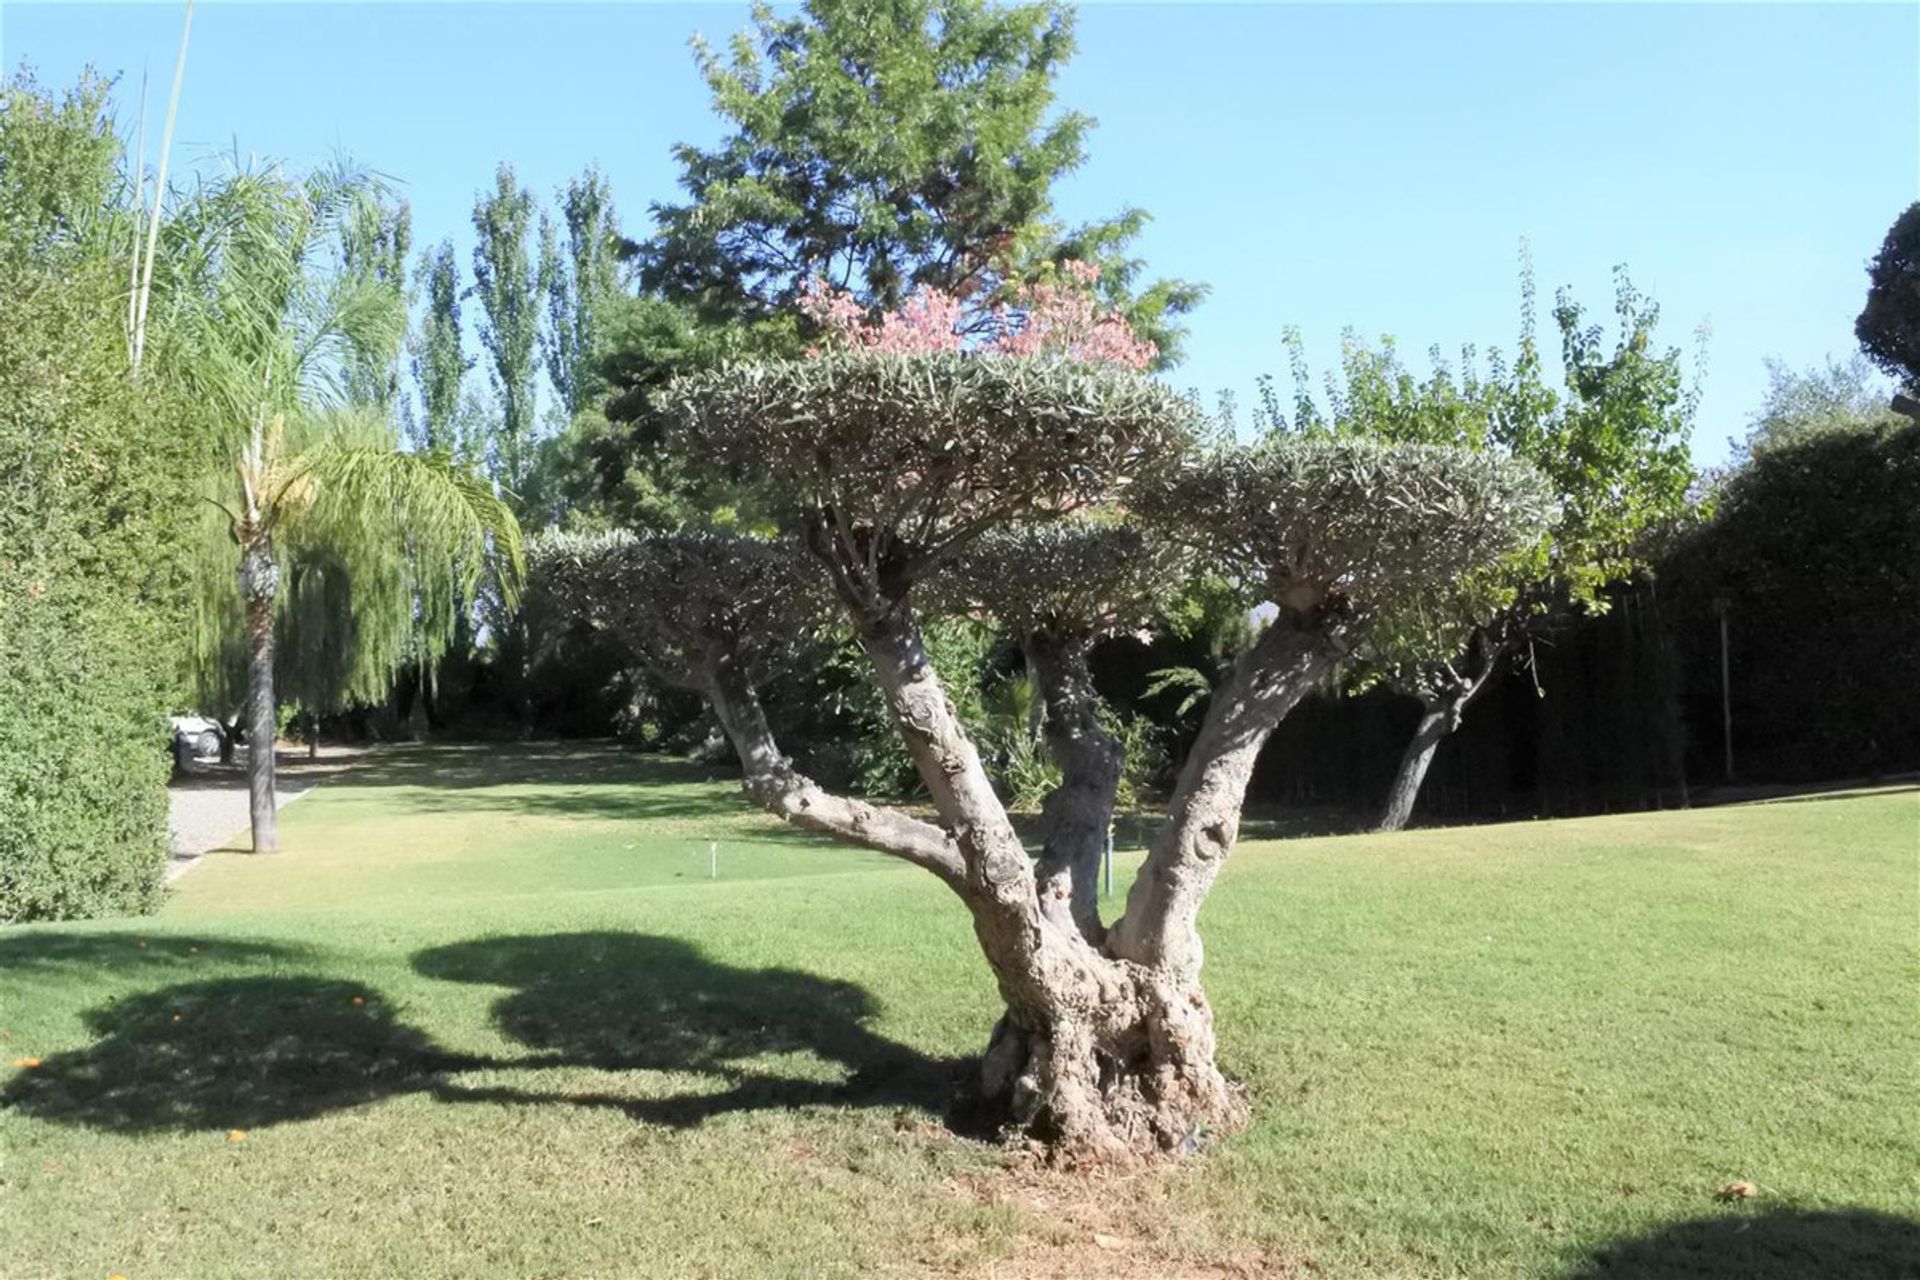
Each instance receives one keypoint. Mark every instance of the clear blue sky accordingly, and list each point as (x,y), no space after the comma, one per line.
(1373,166)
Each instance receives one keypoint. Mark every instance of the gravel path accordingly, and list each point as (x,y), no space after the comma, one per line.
(208,807)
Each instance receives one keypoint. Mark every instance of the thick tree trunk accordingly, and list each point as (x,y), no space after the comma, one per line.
(1414,761)
(259,585)
(1076,814)
(1203,818)
(1097,1058)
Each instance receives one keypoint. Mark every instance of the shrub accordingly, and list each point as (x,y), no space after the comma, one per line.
(94,497)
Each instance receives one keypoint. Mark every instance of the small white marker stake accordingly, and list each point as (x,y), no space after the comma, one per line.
(713,859)
(1109,863)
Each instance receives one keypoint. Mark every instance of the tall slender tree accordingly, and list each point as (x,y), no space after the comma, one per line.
(581,276)
(506,283)
(376,238)
(439,363)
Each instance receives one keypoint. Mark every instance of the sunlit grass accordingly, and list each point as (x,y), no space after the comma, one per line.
(1497,1051)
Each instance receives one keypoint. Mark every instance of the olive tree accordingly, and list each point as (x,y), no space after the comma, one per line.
(1059,588)
(718,615)
(888,467)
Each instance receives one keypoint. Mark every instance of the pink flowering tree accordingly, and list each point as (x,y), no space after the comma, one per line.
(1061,316)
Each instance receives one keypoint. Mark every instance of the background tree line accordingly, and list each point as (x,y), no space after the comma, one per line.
(363,426)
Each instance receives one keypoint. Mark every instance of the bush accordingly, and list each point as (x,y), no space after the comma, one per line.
(83,760)
(95,496)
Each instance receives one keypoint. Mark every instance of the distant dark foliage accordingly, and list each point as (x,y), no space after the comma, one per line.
(1889,326)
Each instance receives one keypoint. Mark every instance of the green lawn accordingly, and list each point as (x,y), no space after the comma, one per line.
(488,1015)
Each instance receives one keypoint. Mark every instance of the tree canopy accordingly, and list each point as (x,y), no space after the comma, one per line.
(1889,324)
(1351,528)
(891,462)
(884,147)
(682,604)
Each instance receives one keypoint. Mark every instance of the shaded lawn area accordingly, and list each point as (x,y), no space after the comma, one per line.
(488,1015)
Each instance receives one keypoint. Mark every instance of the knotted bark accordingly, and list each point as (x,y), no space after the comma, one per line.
(1297,650)
(1078,813)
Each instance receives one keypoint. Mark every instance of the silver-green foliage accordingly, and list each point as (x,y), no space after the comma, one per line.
(1351,526)
(1074,577)
(680,602)
(899,460)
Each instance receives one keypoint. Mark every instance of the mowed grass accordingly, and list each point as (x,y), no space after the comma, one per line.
(488,1015)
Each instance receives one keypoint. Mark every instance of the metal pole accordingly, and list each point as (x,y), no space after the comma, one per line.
(1726,690)
(1109,864)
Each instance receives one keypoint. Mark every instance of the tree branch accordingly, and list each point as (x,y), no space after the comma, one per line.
(1203,818)
(1077,813)
(772,782)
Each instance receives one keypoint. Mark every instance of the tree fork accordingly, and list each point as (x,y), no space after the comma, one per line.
(1076,814)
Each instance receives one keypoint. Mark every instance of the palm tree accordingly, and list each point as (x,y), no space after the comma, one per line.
(260,316)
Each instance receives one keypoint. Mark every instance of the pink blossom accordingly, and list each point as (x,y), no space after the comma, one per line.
(1061,317)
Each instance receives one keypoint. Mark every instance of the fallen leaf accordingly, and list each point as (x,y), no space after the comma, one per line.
(1742,1190)
(236,1135)
(359,999)
(1108,1242)
(26,1062)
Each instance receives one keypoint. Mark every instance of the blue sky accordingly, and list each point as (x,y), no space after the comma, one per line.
(1365,166)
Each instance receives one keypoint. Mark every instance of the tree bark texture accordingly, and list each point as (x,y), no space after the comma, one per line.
(1203,817)
(1076,814)
(1414,762)
(1440,716)
(1105,1052)
(259,587)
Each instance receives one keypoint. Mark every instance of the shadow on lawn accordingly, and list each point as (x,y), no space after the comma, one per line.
(238,1053)
(1773,1244)
(631,1002)
(248,1052)
(554,779)
(130,951)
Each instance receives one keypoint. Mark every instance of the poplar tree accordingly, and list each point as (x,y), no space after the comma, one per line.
(505,282)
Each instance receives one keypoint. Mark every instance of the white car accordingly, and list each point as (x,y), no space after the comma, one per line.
(196,737)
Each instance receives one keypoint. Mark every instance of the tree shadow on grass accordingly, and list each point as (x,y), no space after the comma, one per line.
(245,1053)
(632,1002)
(1773,1244)
(239,1053)
(130,951)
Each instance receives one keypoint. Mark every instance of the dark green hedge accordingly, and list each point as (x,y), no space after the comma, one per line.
(95,497)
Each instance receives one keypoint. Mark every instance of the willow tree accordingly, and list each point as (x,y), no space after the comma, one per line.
(262,317)
(888,467)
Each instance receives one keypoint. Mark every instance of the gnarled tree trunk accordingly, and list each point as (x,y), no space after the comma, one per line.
(1106,1050)
(1077,814)
(1296,650)
(1100,1056)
